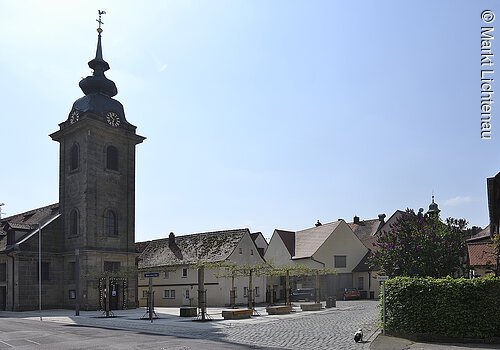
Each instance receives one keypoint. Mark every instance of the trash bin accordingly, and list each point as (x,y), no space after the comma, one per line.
(372,295)
(331,302)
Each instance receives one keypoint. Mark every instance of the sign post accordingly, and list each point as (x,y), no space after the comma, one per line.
(151,275)
(382,278)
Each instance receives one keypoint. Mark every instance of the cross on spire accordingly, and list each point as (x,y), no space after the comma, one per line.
(97,82)
(101,12)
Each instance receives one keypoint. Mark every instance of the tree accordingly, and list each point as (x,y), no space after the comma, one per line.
(422,245)
(295,270)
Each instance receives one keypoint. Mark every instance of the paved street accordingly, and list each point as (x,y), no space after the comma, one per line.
(327,329)
(31,334)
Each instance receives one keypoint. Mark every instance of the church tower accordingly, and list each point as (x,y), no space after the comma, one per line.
(97,187)
(433,208)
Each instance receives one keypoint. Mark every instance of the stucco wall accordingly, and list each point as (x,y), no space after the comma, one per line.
(277,253)
(342,242)
(216,284)
(370,284)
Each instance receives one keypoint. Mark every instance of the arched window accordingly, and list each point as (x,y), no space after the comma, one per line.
(112,158)
(110,223)
(74,155)
(74,222)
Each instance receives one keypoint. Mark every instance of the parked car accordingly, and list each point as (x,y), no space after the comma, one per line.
(306,294)
(350,294)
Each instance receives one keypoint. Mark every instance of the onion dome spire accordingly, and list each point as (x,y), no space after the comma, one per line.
(433,207)
(98,83)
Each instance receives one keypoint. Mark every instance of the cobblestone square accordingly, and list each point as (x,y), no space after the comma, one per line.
(327,329)
(331,328)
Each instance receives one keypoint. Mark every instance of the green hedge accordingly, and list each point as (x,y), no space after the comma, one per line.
(448,307)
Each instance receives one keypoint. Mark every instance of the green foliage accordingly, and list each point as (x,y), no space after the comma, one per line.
(230,269)
(422,245)
(496,251)
(448,307)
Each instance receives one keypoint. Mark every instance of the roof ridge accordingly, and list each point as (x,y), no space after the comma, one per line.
(32,211)
(321,226)
(202,233)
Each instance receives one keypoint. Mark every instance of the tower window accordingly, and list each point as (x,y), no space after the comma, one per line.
(111,266)
(112,158)
(74,221)
(74,155)
(110,223)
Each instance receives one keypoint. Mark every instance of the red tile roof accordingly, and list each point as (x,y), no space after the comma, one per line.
(481,254)
(366,231)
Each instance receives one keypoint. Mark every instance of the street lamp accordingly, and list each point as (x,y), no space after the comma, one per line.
(39,229)
(40,270)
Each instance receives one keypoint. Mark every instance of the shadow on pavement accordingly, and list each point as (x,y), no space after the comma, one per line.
(384,342)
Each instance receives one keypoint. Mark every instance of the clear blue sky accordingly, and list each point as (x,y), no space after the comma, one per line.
(259,114)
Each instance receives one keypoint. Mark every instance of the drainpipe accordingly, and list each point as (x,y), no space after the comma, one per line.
(13,280)
(12,249)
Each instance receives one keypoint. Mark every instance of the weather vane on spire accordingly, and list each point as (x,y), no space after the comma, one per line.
(101,12)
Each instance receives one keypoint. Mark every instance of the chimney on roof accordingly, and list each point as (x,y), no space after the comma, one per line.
(355,219)
(171,239)
(381,218)
(318,223)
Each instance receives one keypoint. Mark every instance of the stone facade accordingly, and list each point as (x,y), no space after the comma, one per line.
(94,221)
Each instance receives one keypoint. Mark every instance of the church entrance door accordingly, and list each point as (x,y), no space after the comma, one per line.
(113,296)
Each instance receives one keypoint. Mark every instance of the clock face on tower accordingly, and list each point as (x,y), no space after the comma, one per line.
(73,117)
(113,119)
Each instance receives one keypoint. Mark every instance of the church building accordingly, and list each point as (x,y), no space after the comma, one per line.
(88,238)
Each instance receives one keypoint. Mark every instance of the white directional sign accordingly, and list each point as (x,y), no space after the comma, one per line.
(152,274)
(382,278)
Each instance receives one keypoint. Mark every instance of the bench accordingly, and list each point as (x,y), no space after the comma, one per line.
(279,310)
(237,314)
(311,307)
(189,311)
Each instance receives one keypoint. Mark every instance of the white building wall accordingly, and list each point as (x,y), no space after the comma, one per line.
(342,242)
(277,253)
(217,285)
(370,284)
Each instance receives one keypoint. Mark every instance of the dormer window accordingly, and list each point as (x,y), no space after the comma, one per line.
(112,158)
